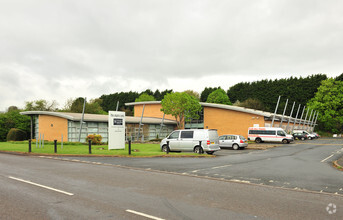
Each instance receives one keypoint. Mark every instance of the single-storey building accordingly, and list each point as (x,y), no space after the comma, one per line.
(58,125)
(227,119)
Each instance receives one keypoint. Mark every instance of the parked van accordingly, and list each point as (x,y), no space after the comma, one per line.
(269,134)
(196,140)
(309,135)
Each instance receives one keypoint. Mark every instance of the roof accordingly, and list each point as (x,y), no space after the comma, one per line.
(267,115)
(99,118)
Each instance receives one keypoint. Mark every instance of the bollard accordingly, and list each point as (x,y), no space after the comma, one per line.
(129,147)
(90,146)
(167,147)
(200,143)
(55,146)
(30,146)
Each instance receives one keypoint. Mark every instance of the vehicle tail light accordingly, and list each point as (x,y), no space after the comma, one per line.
(241,141)
(208,142)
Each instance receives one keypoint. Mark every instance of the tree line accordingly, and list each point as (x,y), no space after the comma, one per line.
(261,95)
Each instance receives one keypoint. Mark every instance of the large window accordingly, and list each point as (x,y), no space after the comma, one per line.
(266,132)
(174,135)
(187,134)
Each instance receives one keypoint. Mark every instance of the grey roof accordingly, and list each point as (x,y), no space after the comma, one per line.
(99,118)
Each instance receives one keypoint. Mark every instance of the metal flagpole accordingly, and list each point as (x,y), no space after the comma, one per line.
(83,114)
(301,117)
(283,114)
(296,118)
(277,105)
(305,118)
(314,115)
(161,126)
(315,121)
(309,120)
(140,123)
(290,116)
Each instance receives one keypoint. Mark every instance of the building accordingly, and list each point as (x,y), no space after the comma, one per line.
(227,119)
(58,125)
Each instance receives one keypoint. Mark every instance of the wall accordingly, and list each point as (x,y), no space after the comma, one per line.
(229,121)
(53,127)
(151,110)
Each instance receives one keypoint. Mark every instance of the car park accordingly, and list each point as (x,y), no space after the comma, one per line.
(192,140)
(299,136)
(233,141)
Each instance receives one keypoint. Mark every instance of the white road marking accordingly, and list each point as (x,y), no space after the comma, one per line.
(46,187)
(327,158)
(221,166)
(143,214)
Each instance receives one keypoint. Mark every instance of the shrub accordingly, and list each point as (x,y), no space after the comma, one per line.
(95,138)
(16,135)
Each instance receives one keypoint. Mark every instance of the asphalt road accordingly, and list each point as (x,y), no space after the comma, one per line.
(42,188)
(305,165)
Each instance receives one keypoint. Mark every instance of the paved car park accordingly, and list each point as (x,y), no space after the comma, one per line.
(300,165)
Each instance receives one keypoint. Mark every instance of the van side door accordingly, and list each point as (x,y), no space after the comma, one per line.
(186,140)
(174,141)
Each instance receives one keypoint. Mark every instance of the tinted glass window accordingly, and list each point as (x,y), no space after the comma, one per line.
(222,137)
(187,134)
(281,133)
(174,135)
(241,137)
(234,137)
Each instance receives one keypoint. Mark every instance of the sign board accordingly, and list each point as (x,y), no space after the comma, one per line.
(116,130)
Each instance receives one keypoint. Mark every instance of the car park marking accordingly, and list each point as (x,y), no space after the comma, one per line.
(42,186)
(221,166)
(327,158)
(144,215)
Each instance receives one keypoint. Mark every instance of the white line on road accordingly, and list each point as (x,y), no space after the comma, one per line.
(327,158)
(143,214)
(46,187)
(221,166)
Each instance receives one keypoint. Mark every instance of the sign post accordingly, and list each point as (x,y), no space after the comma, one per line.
(116,130)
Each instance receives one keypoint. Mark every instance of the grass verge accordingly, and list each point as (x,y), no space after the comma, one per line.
(137,149)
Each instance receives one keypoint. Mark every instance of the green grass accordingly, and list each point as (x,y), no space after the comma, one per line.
(137,149)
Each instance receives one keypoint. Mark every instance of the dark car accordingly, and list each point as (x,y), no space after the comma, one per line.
(299,136)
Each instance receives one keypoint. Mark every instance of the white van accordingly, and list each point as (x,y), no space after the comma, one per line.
(309,135)
(269,134)
(193,140)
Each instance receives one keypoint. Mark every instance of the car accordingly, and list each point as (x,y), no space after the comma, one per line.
(233,140)
(299,136)
(316,134)
(309,136)
(192,140)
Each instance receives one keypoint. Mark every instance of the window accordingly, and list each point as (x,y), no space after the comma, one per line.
(281,133)
(263,132)
(222,138)
(174,135)
(187,134)
(234,138)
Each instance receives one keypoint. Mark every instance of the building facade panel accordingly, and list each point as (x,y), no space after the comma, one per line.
(230,122)
(151,110)
(52,127)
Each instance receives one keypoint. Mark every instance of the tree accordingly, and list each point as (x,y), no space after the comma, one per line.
(251,103)
(328,101)
(13,119)
(41,105)
(145,97)
(193,93)
(92,107)
(207,92)
(219,96)
(339,78)
(181,106)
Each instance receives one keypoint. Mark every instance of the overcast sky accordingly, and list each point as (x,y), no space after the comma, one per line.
(61,49)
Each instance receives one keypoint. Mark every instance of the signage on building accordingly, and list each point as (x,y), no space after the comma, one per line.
(116,130)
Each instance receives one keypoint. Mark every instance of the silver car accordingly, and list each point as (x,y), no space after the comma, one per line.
(232,140)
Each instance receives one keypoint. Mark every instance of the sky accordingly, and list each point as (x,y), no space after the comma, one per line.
(63,49)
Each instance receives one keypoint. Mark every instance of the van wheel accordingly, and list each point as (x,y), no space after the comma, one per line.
(309,138)
(165,148)
(235,146)
(198,150)
(285,141)
(258,140)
